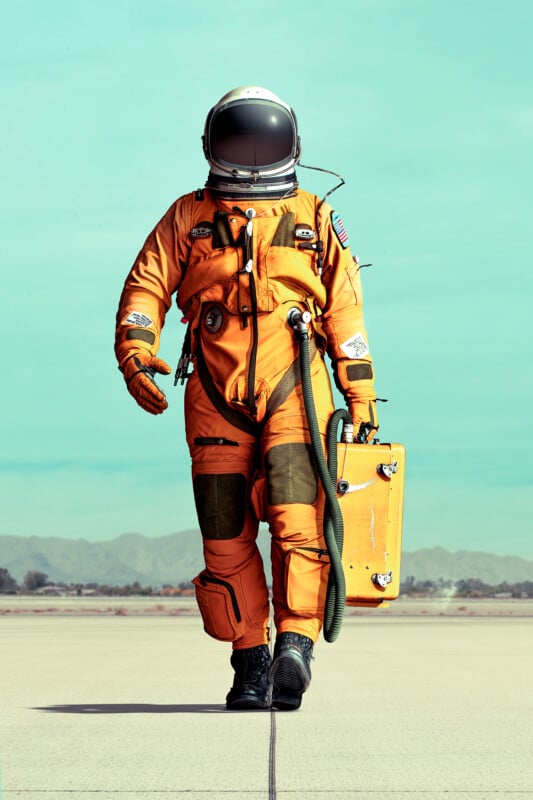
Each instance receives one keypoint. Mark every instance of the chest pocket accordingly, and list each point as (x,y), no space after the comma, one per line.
(212,277)
(291,268)
(212,265)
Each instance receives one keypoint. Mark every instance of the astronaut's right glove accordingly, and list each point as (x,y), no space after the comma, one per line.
(139,371)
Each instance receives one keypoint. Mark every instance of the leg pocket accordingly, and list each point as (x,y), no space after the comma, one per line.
(219,607)
(306,581)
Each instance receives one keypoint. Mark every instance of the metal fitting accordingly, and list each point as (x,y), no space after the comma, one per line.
(387,470)
(299,320)
(382,579)
(347,433)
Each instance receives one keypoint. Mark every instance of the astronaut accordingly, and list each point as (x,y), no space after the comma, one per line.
(240,254)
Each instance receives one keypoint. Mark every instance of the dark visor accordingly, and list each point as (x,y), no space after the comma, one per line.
(257,134)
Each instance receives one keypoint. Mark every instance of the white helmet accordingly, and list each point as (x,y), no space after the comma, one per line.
(251,143)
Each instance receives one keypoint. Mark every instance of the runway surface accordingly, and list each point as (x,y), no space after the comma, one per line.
(125,707)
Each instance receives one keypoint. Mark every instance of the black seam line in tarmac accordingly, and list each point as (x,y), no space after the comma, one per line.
(272,758)
(272,744)
(298,792)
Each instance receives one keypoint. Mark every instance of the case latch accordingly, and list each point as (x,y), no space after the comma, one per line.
(387,470)
(382,579)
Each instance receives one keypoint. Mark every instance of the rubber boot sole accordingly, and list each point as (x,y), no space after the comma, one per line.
(244,703)
(290,678)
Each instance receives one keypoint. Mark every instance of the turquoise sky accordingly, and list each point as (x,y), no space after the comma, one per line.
(425,107)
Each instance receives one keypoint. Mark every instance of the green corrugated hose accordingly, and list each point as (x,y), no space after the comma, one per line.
(333,523)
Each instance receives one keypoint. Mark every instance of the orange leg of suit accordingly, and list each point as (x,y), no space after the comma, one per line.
(240,478)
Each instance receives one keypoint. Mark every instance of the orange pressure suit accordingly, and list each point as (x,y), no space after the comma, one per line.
(237,273)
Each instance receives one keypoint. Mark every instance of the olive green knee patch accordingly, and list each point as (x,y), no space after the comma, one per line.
(291,476)
(220,504)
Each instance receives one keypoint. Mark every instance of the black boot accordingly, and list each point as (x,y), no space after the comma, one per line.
(251,686)
(290,672)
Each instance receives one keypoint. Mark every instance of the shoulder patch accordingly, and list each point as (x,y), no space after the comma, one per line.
(340,230)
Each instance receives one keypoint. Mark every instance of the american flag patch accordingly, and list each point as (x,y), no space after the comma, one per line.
(338,227)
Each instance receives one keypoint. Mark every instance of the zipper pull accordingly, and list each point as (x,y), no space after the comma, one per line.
(250,213)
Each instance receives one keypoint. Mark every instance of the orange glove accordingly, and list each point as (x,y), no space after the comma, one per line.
(139,371)
(365,419)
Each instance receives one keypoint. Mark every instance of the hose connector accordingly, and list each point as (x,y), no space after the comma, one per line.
(347,432)
(299,321)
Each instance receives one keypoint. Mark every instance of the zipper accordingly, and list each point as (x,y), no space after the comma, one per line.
(214,440)
(248,261)
(247,252)
(320,550)
(255,342)
(205,579)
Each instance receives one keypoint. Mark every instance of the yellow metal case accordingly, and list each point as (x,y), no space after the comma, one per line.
(370,489)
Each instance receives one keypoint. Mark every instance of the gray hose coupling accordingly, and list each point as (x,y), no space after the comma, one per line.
(299,321)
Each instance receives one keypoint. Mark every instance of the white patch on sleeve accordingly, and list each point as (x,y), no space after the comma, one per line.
(140,319)
(355,347)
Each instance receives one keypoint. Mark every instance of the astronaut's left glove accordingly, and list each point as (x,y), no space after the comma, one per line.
(365,419)
(355,379)
(139,371)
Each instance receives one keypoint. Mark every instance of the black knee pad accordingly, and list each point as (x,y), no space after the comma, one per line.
(220,504)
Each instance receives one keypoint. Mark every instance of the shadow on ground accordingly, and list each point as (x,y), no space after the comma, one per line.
(135,708)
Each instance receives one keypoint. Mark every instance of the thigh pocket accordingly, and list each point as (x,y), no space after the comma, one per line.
(219,607)
(306,580)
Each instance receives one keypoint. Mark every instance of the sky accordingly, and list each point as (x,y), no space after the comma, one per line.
(426,110)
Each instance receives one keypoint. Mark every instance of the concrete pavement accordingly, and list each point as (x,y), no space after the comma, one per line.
(133,707)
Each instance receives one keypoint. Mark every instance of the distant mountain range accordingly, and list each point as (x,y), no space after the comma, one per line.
(178,557)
